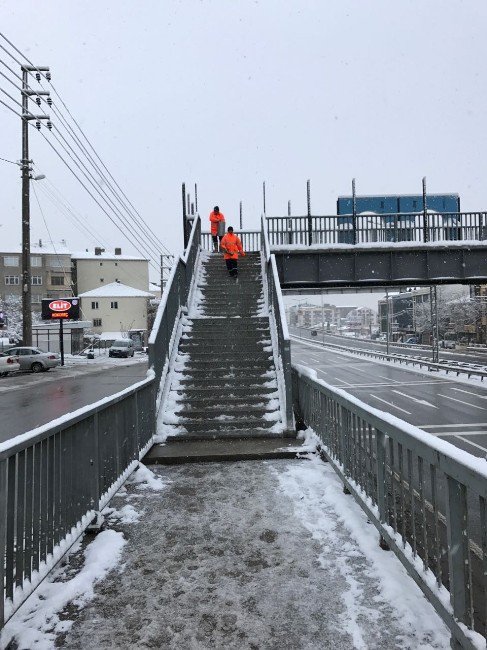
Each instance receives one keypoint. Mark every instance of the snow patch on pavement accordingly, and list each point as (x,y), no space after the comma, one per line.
(319,501)
(37,623)
(145,479)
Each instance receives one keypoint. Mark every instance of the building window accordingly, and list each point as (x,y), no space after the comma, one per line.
(11,260)
(12,279)
(114,304)
(101,263)
(56,263)
(36,299)
(57,280)
(102,280)
(94,304)
(35,260)
(97,322)
(116,263)
(36,280)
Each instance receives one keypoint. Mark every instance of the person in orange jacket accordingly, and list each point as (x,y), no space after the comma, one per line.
(231,247)
(217,218)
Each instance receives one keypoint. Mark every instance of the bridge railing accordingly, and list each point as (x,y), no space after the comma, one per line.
(55,480)
(372,228)
(278,319)
(426,497)
(173,301)
(250,240)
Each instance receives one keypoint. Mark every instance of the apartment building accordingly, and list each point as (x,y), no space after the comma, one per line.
(100,268)
(50,273)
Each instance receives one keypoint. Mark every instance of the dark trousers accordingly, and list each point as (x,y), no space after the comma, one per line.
(232,267)
(215,238)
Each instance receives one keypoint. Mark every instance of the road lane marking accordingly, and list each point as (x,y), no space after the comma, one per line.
(322,371)
(389,379)
(474,444)
(481,408)
(415,399)
(451,426)
(390,404)
(342,381)
(462,433)
(460,390)
(315,360)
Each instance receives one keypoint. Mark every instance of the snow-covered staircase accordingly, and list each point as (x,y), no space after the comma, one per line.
(224,383)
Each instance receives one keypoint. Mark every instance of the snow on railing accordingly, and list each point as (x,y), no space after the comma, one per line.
(278,320)
(174,300)
(56,479)
(426,497)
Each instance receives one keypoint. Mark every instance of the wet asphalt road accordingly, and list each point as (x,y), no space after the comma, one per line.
(28,401)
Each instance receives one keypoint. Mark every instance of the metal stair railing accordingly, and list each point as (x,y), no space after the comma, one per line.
(55,481)
(278,320)
(173,303)
(426,497)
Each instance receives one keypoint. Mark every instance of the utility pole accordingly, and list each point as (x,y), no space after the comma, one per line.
(241,220)
(26,176)
(263,195)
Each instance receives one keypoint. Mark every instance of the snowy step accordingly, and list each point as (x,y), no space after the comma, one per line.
(227,386)
(267,403)
(193,436)
(202,392)
(238,413)
(216,426)
(219,368)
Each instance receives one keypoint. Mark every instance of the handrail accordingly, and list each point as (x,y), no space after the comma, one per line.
(369,227)
(174,300)
(56,479)
(278,316)
(413,488)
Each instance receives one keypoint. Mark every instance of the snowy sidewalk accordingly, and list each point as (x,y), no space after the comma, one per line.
(264,554)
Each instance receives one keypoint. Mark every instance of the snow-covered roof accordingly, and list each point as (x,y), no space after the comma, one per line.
(89,255)
(35,249)
(116,290)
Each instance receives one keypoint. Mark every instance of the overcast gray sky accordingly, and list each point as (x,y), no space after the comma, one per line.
(228,94)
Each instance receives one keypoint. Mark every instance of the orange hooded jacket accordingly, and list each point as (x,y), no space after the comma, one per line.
(215,218)
(231,246)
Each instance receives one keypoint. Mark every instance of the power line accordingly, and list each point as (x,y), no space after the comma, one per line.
(81,131)
(90,178)
(92,196)
(10,108)
(9,161)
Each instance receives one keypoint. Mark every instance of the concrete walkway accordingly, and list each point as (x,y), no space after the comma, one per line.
(250,555)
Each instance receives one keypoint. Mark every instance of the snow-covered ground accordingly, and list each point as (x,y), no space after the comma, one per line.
(231,555)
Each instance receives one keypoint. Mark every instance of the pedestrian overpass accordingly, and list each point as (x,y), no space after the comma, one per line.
(426,498)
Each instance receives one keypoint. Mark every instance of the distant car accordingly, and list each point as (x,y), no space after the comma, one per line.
(34,359)
(8,364)
(412,340)
(122,348)
(314,333)
(448,345)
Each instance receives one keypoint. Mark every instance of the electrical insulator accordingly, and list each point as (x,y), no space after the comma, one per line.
(48,76)
(49,101)
(38,101)
(38,125)
(38,76)
(49,125)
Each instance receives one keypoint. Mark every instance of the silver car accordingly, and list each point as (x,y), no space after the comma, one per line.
(34,359)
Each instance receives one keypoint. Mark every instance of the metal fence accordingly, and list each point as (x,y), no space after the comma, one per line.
(174,298)
(422,362)
(278,316)
(370,228)
(55,480)
(426,497)
(250,240)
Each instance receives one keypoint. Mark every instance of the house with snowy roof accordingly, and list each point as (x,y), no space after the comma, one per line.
(116,307)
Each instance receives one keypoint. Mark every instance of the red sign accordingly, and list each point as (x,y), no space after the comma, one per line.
(59,305)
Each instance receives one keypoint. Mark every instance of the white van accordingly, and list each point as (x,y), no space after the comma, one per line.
(122,348)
